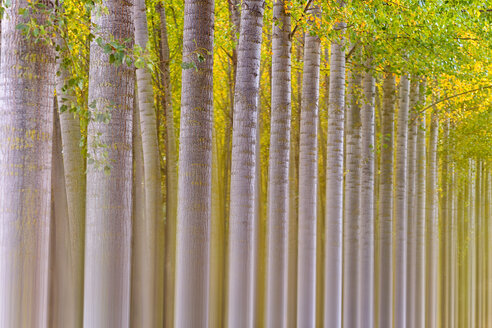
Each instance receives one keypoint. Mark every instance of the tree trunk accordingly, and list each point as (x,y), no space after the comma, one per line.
(74,175)
(171,179)
(62,305)
(195,162)
(308,182)
(138,208)
(351,207)
(242,233)
(109,171)
(27,78)
(366,223)
(334,187)
(400,221)
(411,303)
(144,298)
(278,178)
(431,248)
(386,205)
(320,241)
(293,209)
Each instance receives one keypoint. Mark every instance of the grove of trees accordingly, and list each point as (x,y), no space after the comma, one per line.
(245,163)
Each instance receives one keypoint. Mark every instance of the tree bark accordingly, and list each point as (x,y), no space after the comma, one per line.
(366,223)
(27,78)
(308,181)
(62,305)
(386,205)
(400,220)
(412,302)
(242,233)
(195,162)
(109,171)
(334,187)
(351,207)
(431,221)
(278,178)
(74,174)
(144,299)
(171,178)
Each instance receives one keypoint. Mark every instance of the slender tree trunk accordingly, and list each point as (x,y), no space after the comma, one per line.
(386,205)
(27,78)
(444,236)
(412,303)
(138,208)
(400,220)
(334,187)
(195,161)
(431,221)
(109,171)
(278,179)
(62,310)
(419,217)
(242,234)
(171,179)
(320,240)
(144,242)
(294,194)
(308,182)
(366,223)
(351,208)
(472,236)
(73,162)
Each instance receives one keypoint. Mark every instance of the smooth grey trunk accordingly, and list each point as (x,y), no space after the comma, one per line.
(385,296)
(431,222)
(27,78)
(421,311)
(138,208)
(108,229)
(443,240)
(420,219)
(471,249)
(74,175)
(400,219)
(308,181)
(411,200)
(195,168)
(293,209)
(366,217)
(242,233)
(351,245)
(62,310)
(334,187)
(171,178)
(278,177)
(144,242)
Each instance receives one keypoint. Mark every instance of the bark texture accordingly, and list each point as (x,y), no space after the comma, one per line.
(351,206)
(242,234)
(366,223)
(27,78)
(308,182)
(411,198)
(400,221)
(334,187)
(385,296)
(72,270)
(431,225)
(278,184)
(171,177)
(108,229)
(195,164)
(144,240)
